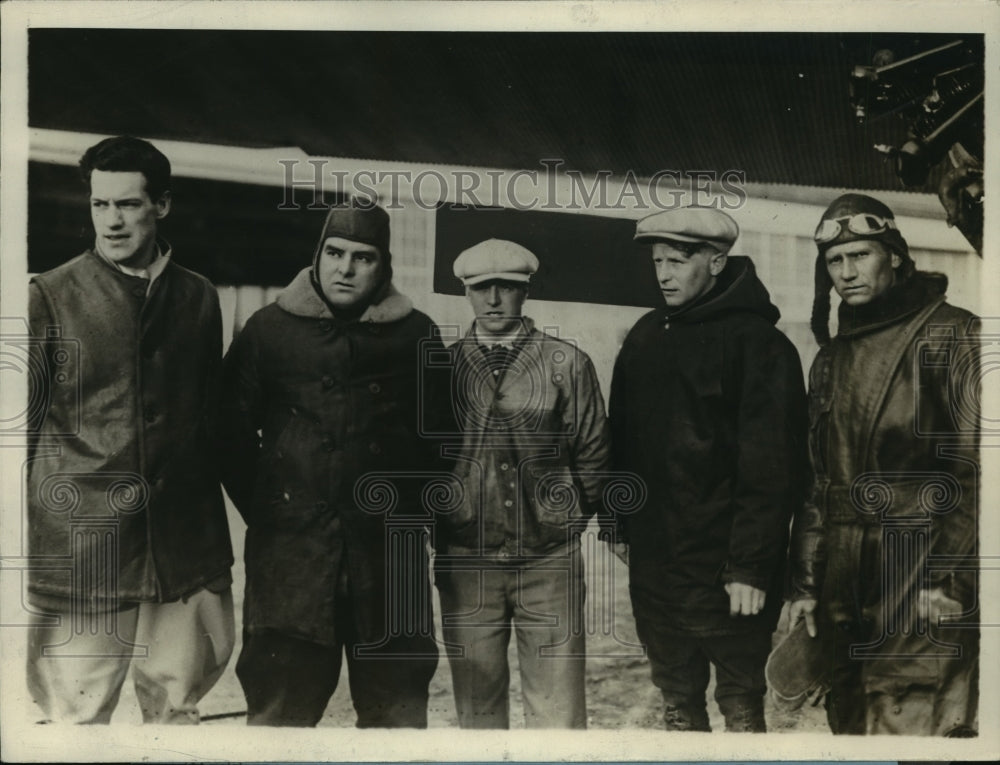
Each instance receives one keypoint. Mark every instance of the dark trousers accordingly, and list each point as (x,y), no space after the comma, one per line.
(680,669)
(288,681)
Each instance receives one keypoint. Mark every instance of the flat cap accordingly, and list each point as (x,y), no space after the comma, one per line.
(689,224)
(495,259)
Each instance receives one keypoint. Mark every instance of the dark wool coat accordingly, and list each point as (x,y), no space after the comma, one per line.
(708,407)
(333,401)
(124,450)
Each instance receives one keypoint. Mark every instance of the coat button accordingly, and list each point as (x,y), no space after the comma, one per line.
(139,291)
(286,497)
(324,326)
(375,388)
(327,381)
(508,503)
(328,444)
(321,506)
(150,413)
(504,466)
(374,448)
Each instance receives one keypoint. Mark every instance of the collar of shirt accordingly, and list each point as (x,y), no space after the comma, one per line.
(152,271)
(506,341)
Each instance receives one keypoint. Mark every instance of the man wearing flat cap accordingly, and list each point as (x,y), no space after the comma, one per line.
(330,377)
(532,464)
(708,408)
(884,554)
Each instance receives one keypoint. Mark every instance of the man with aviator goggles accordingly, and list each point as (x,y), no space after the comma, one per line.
(862,224)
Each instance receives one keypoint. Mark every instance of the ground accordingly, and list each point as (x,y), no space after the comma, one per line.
(619,691)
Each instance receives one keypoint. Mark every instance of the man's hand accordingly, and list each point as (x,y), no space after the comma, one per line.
(620,549)
(804,608)
(743,599)
(933,604)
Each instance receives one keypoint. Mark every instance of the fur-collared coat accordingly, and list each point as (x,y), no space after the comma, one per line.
(335,401)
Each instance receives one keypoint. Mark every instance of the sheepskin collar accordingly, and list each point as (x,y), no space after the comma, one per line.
(300,299)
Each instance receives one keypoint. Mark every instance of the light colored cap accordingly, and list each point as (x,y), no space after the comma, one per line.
(690,224)
(495,259)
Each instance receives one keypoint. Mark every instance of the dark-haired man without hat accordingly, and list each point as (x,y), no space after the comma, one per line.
(330,377)
(131,347)
(708,408)
(884,554)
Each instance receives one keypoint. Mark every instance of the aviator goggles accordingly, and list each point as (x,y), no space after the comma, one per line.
(862,224)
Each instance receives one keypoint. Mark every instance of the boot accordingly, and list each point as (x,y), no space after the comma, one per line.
(686,716)
(744,714)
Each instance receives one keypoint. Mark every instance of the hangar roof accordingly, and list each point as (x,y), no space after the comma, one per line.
(773,105)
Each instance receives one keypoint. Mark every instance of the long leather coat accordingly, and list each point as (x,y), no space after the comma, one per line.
(332,485)
(122,466)
(894,443)
(708,407)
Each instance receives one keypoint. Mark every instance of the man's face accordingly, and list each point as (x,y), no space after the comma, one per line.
(349,272)
(684,278)
(124,216)
(497,305)
(861,270)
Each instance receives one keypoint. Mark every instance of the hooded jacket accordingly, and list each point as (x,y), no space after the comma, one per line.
(121,462)
(334,401)
(708,408)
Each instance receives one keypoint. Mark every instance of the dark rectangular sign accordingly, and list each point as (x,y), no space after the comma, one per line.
(582,258)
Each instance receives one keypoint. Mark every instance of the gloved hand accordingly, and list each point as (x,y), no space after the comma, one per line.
(803,608)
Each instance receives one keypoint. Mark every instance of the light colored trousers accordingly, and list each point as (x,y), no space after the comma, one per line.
(77,665)
(541,602)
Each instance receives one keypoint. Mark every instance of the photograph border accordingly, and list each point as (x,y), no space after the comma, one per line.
(24,741)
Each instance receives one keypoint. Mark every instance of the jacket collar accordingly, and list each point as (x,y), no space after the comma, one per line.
(737,289)
(900,301)
(526,331)
(151,273)
(470,352)
(300,299)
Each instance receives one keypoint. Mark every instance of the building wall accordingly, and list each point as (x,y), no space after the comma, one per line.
(776,221)
(776,236)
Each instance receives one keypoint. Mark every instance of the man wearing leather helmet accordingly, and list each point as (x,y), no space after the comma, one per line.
(884,553)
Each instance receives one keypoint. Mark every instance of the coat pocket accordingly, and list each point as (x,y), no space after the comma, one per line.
(555,495)
(468,484)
